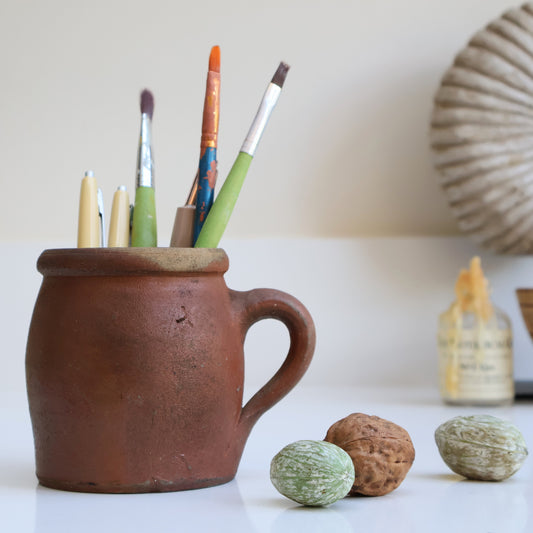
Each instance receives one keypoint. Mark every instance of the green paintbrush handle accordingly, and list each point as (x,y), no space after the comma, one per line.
(220,212)
(144,227)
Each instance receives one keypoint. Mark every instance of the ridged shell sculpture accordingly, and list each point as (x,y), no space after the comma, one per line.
(482,134)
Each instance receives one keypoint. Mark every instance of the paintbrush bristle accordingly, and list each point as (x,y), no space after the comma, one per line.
(281,74)
(214,59)
(147,103)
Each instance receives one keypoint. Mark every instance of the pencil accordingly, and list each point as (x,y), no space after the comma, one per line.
(88,214)
(119,223)
(183,229)
(220,213)
(207,168)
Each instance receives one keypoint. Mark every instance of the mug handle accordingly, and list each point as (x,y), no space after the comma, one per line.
(259,304)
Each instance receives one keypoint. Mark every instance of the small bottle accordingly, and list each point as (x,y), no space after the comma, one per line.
(475,345)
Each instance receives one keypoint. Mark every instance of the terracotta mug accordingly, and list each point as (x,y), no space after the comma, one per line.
(135,368)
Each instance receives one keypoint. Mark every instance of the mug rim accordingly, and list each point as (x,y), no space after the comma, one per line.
(131,261)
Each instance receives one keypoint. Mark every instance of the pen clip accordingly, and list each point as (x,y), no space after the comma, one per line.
(131,222)
(100,198)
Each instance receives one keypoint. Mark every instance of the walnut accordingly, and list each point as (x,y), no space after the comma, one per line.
(381,451)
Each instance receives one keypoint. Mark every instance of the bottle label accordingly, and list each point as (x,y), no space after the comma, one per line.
(476,365)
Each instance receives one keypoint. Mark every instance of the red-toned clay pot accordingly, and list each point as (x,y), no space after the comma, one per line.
(135,368)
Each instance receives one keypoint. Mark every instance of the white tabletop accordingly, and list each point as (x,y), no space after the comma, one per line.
(431,499)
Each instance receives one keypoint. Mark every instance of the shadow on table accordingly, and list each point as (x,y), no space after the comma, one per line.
(217,509)
(311,520)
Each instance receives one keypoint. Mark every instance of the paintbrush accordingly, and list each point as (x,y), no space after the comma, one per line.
(190,218)
(144,227)
(220,213)
(207,168)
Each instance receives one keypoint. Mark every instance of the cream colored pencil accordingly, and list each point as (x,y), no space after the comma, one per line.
(88,215)
(119,223)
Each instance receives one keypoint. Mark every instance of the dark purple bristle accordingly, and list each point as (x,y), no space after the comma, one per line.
(281,74)
(147,103)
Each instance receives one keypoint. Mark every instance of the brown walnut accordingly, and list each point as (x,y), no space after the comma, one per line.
(381,451)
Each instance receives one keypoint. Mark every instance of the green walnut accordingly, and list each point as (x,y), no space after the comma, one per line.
(312,472)
(481,447)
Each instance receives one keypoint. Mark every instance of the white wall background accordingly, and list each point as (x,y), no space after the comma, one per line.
(342,179)
(346,151)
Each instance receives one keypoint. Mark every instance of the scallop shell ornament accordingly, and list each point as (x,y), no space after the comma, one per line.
(482,134)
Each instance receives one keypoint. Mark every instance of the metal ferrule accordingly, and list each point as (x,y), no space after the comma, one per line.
(260,121)
(145,162)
